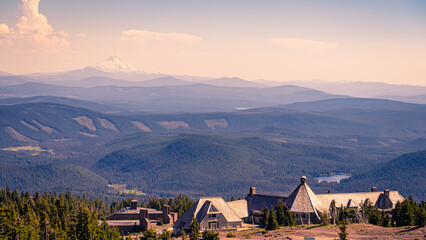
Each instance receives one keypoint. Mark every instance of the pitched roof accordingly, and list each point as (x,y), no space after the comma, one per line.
(358,197)
(256,202)
(203,207)
(304,200)
(239,207)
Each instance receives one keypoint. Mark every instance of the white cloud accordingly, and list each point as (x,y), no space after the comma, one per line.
(146,36)
(81,35)
(32,32)
(303,44)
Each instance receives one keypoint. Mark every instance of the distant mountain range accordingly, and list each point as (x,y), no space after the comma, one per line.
(165,135)
(176,98)
(116,72)
(408,93)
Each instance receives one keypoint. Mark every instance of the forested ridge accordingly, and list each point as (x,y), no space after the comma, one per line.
(406,173)
(65,216)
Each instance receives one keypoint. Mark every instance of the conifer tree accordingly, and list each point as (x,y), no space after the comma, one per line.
(343,233)
(194,230)
(421,215)
(265,216)
(183,235)
(272,221)
(279,211)
(82,227)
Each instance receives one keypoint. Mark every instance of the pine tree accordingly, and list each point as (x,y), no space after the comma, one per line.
(404,213)
(149,235)
(386,220)
(289,217)
(272,221)
(183,235)
(166,235)
(343,233)
(421,215)
(82,227)
(265,216)
(194,230)
(279,211)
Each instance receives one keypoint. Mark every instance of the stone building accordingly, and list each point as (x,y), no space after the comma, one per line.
(215,213)
(308,206)
(137,218)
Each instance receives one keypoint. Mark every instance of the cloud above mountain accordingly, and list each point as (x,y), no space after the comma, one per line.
(306,45)
(143,37)
(32,32)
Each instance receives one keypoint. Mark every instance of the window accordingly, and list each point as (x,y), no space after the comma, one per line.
(212,215)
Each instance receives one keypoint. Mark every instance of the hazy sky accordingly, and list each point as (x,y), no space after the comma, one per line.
(275,40)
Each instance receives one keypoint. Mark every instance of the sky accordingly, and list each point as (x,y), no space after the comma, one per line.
(333,40)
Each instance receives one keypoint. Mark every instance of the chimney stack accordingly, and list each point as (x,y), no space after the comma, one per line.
(373,189)
(252,191)
(386,192)
(165,215)
(133,204)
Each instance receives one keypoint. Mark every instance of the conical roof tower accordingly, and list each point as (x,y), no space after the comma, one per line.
(304,200)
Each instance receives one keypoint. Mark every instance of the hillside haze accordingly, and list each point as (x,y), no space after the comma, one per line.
(167,154)
(111,124)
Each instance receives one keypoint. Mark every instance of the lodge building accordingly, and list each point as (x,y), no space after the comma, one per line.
(214,213)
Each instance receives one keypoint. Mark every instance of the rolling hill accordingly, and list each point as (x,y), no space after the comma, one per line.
(330,105)
(172,99)
(62,100)
(363,89)
(51,177)
(200,164)
(233,82)
(406,174)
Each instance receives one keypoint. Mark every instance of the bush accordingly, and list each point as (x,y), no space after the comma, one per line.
(230,235)
(208,235)
(325,218)
(264,231)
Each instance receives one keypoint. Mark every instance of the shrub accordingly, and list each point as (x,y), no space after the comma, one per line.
(230,235)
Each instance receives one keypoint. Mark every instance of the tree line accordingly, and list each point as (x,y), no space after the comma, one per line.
(64,216)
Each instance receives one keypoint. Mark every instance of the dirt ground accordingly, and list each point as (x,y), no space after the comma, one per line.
(355,231)
(330,232)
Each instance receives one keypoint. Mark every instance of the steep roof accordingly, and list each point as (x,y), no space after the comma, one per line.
(304,200)
(205,206)
(239,207)
(256,201)
(356,198)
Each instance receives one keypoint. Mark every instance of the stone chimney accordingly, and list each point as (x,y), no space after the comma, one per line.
(387,202)
(143,219)
(133,204)
(166,214)
(252,191)
(373,189)
(386,192)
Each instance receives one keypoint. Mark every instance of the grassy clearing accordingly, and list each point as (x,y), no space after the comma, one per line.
(121,188)
(35,149)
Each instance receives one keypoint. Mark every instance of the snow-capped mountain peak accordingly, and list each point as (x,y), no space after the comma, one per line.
(115,64)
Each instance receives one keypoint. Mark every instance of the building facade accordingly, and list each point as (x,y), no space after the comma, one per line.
(136,218)
(215,213)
